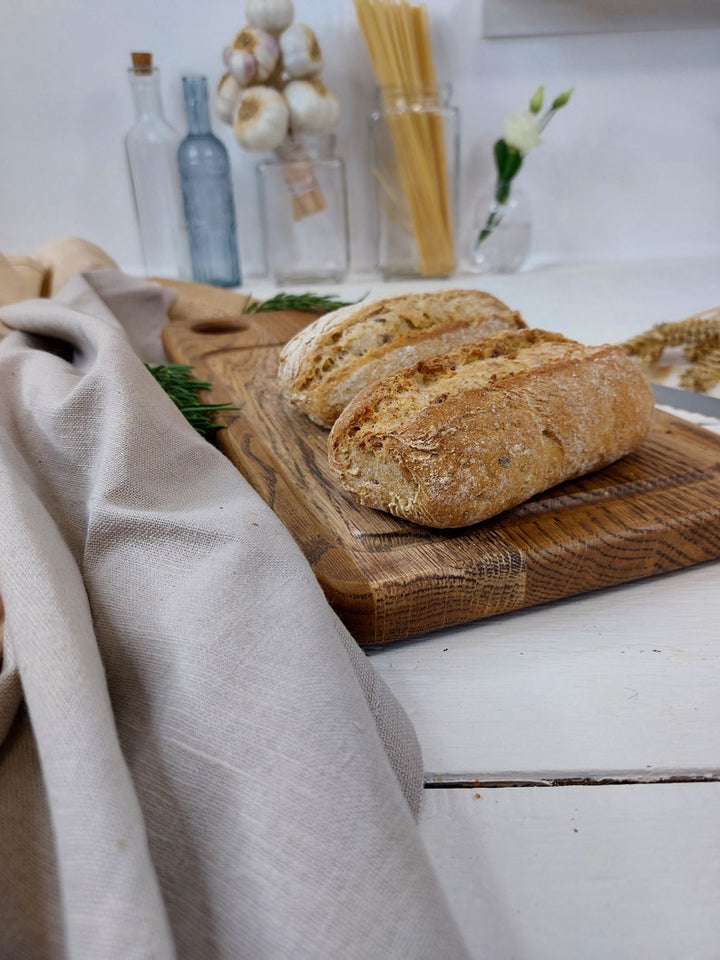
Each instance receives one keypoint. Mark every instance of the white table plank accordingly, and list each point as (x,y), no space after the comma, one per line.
(581,873)
(624,683)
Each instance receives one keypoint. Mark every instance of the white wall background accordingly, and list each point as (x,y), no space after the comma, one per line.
(631,168)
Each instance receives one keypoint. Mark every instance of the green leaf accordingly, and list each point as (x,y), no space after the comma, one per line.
(508,160)
(514,163)
(500,151)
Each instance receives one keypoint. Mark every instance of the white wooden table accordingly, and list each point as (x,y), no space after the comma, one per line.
(572,751)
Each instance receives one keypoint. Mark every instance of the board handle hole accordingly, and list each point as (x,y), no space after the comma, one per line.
(219,326)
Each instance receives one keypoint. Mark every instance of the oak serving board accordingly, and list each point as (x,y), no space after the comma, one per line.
(655,510)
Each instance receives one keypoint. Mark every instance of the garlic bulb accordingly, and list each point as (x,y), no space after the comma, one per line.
(252,48)
(300,51)
(240,64)
(261,121)
(313,108)
(227,97)
(270,15)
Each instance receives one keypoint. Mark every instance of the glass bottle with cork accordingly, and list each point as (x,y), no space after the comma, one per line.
(151,147)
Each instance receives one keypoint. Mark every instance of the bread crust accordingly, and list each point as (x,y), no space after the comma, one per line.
(332,359)
(460,438)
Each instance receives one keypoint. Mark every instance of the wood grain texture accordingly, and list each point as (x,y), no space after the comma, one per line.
(653,511)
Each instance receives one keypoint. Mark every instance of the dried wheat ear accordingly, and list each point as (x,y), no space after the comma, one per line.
(698,334)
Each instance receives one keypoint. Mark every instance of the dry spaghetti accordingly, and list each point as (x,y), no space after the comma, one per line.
(397,36)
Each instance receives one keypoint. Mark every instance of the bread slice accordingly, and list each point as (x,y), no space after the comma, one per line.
(328,362)
(459,438)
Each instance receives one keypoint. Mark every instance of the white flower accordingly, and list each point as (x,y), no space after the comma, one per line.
(522,131)
(521,135)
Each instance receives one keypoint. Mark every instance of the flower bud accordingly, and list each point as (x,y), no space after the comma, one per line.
(561,99)
(536,101)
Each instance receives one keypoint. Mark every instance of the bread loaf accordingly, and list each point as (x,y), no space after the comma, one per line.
(459,438)
(328,362)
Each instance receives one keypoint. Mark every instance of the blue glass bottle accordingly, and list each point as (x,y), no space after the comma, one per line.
(207,193)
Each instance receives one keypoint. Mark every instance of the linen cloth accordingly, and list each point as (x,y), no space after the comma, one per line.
(196,760)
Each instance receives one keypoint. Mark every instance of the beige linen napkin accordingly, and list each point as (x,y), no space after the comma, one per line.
(196,760)
(64,257)
(21,278)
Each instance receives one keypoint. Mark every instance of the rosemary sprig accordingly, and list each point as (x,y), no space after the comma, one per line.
(179,383)
(307,302)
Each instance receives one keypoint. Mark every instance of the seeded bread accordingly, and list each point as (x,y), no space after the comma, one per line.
(328,362)
(456,439)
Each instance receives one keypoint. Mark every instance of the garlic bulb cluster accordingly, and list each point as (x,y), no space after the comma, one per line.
(271,86)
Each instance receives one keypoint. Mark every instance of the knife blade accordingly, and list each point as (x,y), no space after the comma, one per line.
(687,400)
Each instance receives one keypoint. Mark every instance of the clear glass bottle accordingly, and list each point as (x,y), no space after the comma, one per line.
(207,193)
(303,201)
(151,148)
(414,158)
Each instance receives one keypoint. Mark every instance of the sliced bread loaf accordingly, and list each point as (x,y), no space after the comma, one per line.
(459,438)
(328,362)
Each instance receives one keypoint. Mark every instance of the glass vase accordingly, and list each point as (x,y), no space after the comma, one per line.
(501,232)
(303,203)
(414,158)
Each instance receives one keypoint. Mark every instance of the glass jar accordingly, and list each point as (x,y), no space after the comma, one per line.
(303,203)
(415,155)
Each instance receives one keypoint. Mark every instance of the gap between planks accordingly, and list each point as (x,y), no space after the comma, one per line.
(450,782)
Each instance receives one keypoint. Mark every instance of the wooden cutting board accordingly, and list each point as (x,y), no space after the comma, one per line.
(654,511)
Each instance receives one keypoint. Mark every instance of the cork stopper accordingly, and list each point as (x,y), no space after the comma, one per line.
(142,63)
